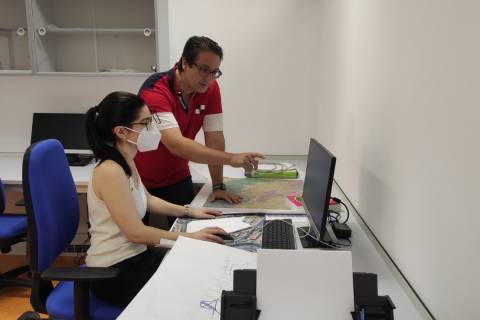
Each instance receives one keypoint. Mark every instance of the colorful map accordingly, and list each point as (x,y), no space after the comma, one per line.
(260,194)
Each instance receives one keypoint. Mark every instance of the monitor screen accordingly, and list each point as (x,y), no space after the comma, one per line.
(318,186)
(68,128)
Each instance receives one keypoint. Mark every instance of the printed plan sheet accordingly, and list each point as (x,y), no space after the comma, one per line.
(189,282)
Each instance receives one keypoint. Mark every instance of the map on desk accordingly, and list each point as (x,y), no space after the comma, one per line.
(258,195)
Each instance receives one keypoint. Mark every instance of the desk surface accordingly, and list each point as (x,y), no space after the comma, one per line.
(11,172)
(367,254)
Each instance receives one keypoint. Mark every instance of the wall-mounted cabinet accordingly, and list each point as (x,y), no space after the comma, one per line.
(87,36)
(14,49)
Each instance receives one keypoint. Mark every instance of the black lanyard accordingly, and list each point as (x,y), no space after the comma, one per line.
(182,101)
(171,76)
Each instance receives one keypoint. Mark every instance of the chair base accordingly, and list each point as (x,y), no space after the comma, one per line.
(9,279)
(29,315)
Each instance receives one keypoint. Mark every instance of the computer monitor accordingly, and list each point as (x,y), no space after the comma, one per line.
(316,192)
(68,128)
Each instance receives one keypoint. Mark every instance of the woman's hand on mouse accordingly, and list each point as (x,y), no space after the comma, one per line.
(208,234)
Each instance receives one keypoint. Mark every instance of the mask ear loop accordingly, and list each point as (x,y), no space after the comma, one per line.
(130,129)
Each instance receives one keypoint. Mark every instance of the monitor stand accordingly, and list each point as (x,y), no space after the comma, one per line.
(309,242)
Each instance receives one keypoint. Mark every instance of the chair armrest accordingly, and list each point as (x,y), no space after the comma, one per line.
(79,274)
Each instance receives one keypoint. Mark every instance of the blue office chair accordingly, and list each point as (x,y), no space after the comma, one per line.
(53,214)
(13,229)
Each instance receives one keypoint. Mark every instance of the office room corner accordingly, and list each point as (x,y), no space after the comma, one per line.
(274,159)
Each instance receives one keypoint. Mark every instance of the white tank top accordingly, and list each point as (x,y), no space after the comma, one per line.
(108,245)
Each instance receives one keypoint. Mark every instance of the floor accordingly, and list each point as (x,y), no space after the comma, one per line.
(15,301)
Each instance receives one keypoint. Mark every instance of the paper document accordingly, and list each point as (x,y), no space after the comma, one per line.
(189,282)
(228,224)
(304,284)
(258,196)
(280,166)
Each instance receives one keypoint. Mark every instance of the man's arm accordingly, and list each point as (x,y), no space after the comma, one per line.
(188,149)
(215,140)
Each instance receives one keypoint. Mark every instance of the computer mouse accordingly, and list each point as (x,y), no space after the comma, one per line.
(224,236)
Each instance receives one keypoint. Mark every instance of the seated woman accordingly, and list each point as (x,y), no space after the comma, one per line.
(117,128)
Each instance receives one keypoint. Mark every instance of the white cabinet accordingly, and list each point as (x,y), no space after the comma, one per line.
(82,36)
(14,49)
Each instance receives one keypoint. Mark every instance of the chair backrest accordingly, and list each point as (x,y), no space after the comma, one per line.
(2,197)
(51,202)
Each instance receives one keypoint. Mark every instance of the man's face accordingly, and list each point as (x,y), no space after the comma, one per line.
(201,74)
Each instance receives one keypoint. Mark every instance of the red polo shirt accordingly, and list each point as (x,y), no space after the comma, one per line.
(161,168)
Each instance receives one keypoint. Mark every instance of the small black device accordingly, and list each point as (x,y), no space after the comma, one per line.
(241,303)
(364,285)
(341,230)
(69,129)
(278,234)
(245,281)
(224,236)
(368,304)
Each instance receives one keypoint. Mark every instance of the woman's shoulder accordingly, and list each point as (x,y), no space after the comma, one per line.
(109,169)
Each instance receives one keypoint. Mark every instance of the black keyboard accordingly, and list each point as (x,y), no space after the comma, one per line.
(278,234)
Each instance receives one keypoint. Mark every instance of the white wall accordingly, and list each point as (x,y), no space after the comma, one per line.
(268,87)
(399,99)
(21,96)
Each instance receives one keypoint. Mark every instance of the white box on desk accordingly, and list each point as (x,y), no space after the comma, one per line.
(304,284)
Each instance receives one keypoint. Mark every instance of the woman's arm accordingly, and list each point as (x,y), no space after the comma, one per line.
(160,206)
(112,186)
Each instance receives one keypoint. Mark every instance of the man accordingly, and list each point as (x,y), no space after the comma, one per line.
(185,99)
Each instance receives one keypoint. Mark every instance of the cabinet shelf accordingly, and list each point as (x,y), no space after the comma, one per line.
(117,37)
(60,30)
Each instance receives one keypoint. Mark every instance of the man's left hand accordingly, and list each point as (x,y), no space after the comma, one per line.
(225,195)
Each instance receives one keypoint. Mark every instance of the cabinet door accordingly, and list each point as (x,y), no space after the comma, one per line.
(64,35)
(125,37)
(94,35)
(14,48)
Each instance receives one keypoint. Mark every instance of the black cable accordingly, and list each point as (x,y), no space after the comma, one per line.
(333,218)
(345,245)
(346,207)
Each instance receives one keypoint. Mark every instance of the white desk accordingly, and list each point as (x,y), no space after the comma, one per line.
(367,256)
(11,173)
(366,253)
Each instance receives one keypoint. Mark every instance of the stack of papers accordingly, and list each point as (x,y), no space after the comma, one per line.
(230,224)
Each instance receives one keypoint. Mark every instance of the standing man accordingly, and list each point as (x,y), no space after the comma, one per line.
(185,99)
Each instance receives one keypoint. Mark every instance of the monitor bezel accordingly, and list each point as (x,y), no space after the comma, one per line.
(319,234)
(86,151)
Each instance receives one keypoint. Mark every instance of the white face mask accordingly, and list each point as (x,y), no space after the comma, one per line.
(148,139)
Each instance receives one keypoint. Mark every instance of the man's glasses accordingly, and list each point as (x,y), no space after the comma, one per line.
(205,71)
(147,122)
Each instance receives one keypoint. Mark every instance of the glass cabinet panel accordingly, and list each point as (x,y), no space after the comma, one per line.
(94,35)
(14,48)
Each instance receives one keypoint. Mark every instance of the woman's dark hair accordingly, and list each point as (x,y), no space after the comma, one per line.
(194,46)
(116,109)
